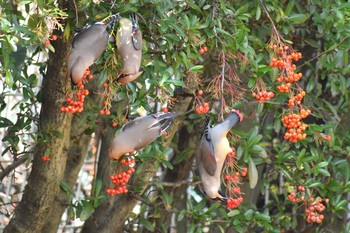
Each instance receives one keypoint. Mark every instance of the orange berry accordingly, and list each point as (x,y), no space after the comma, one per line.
(54,37)
(200,92)
(205,49)
(165,110)
(329,138)
(105,84)
(47,42)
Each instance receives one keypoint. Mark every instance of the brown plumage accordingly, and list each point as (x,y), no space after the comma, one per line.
(87,47)
(138,133)
(129,43)
(211,154)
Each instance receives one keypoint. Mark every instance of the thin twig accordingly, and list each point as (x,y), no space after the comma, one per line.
(11,167)
(324,52)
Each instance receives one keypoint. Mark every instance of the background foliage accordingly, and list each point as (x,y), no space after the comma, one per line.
(237,35)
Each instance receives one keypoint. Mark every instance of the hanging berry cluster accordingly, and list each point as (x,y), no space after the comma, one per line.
(45,158)
(262,96)
(106,102)
(233,174)
(75,100)
(283,58)
(121,179)
(203,107)
(313,207)
(294,125)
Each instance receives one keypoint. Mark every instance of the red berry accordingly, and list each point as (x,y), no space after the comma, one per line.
(54,37)
(47,42)
(200,92)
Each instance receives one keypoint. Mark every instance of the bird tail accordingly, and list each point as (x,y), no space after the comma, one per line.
(206,126)
(160,116)
(111,19)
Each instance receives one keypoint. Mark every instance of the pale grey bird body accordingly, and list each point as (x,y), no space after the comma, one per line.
(87,47)
(138,133)
(212,152)
(129,43)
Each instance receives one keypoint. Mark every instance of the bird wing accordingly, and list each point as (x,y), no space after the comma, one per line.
(137,40)
(129,125)
(207,154)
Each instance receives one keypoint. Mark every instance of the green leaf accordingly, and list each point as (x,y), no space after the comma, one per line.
(57,134)
(251,82)
(249,214)
(213,207)
(315,184)
(86,212)
(197,68)
(324,172)
(97,187)
(176,27)
(167,163)
(67,188)
(254,140)
(233,213)
(322,164)
(264,217)
(66,32)
(252,174)
(219,30)
(4,122)
(298,18)
(147,224)
(258,13)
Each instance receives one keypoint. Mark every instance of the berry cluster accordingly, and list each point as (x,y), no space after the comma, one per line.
(47,42)
(75,101)
(233,175)
(234,202)
(45,158)
(262,96)
(283,59)
(203,107)
(294,125)
(313,207)
(106,102)
(203,50)
(121,179)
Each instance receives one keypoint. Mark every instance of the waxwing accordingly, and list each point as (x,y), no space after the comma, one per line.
(211,154)
(87,47)
(138,133)
(129,43)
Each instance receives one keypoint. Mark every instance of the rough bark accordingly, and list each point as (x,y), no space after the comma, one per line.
(44,181)
(111,215)
(76,156)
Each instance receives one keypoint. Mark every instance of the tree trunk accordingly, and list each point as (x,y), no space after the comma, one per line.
(111,215)
(43,186)
(76,156)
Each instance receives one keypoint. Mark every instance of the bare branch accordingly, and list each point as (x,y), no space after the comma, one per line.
(11,167)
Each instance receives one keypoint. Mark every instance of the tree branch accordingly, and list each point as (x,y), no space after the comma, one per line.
(12,166)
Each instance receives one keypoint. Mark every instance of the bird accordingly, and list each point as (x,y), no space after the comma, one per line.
(87,47)
(129,44)
(211,154)
(139,133)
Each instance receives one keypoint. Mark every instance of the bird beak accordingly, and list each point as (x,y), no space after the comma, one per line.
(220,197)
(238,113)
